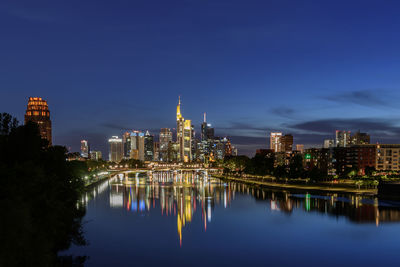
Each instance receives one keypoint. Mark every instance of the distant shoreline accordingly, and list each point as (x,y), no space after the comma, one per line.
(315,188)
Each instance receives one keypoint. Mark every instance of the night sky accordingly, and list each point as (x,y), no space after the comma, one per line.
(301,67)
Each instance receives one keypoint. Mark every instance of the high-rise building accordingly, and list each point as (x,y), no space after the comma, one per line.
(287,143)
(275,141)
(300,148)
(207,132)
(116,150)
(137,145)
(148,147)
(95,155)
(183,135)
(165,139)
(84,149)
(360,138)
(156,151)
(329,143)
(342,138)
(38,112)
(126,141)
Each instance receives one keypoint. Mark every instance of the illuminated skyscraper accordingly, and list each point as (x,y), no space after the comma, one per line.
(183,135)
(137,145)
(148,147)
(38,112)
(126,141)
(95,155)
(275,142)
(84,149)
(360,138)
(300,148)
(342,138)
(329,143)
(165,139)
(116,151)
(207,132)
(287,143)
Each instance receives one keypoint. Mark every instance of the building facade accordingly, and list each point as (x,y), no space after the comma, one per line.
(275,142)
(183,135)
(165,139)
(148,147)
(39,113)
(116,150)
(84,149)
(287,143)
(343,138)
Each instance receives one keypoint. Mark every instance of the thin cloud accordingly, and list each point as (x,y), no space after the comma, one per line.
(362,97)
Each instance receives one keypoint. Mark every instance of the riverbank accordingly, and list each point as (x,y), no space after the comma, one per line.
(332,188)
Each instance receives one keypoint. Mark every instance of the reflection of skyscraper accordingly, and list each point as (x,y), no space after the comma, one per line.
(38,112)
(116,150)
(275,142)
(84,149)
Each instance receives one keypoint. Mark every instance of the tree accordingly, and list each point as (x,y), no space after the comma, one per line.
(280,172)
(39,193)
(296,169)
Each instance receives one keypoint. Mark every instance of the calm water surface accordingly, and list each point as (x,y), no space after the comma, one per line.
(181,219)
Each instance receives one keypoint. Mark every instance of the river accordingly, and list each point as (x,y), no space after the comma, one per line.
(189,219)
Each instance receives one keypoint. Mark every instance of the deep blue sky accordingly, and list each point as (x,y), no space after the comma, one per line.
(301,67)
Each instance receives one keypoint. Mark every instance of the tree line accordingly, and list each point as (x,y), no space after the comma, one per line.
(39,198)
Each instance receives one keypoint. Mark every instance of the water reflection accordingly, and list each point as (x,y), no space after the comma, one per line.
(182,194)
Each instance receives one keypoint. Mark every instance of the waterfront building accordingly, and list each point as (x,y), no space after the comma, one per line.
(329,143)
(183,135)
(321,158)
(38,112)
(165,139)
(84,149)
(342,138)
(275,142)
(287,143)
(95,155)
(116,150)
(300,148)
(387,157)
(360,138)
(148,147)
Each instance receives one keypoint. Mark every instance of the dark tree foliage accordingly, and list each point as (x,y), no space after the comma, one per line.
(7,123)
(296,169)
(39,192)
(260,165)
(280,172)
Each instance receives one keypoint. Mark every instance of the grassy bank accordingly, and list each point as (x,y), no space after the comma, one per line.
(324,187)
